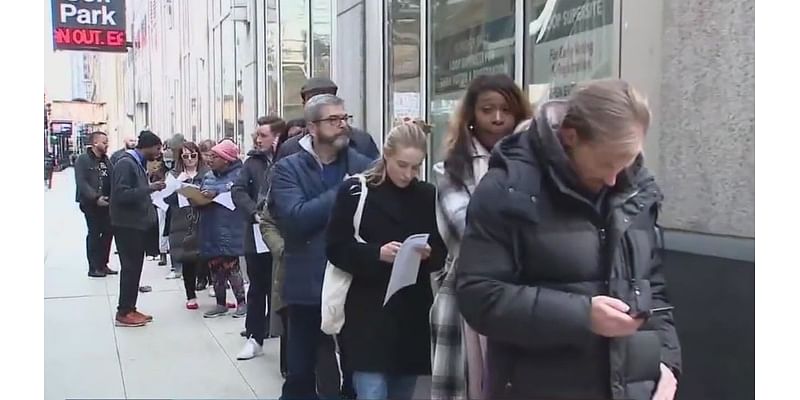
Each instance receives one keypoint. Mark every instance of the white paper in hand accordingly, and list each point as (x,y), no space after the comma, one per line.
(261,247)
(183,201)
(158,200)
(406,264)
(225,200)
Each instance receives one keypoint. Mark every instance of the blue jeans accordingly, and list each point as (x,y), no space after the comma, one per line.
(378,386)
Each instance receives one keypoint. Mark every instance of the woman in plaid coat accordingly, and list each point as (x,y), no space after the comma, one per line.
(489,111)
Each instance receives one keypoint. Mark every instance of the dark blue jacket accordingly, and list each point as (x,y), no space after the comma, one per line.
(301,205)
(221,229)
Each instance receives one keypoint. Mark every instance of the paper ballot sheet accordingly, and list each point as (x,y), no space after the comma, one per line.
(406,264)
(225,200)
(261,247)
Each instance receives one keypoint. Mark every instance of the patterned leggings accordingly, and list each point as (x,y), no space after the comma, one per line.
(226,269)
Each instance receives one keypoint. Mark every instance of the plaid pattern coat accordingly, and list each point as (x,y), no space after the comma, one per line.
(448,353)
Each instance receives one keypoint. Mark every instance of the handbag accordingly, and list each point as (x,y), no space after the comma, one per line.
(337,282)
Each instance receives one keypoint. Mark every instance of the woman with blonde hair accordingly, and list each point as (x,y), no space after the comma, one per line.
(490,110)
(387,347)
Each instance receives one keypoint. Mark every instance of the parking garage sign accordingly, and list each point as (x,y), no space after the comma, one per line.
(93,25)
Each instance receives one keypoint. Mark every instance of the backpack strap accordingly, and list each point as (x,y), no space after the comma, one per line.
(362,198)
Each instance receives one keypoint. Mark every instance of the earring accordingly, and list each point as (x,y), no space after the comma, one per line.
(471,127)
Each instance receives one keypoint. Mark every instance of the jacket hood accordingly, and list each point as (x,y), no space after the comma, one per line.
(540,145)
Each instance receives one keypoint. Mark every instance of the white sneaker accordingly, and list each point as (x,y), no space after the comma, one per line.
(250,350)
(174,275)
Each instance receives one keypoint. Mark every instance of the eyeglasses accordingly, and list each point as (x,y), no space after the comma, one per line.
(336,120)
(189,156)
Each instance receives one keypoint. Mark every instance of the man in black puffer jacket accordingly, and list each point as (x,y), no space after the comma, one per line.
(560,261)
(249,200)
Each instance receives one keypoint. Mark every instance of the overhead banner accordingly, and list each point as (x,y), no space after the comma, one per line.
(574,42)
(89,25)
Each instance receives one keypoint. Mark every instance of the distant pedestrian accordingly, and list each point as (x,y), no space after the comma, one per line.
(93,191)
(132,216)
(130,144)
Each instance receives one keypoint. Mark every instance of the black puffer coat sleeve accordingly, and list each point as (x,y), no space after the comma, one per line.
(490,294)
(663,324)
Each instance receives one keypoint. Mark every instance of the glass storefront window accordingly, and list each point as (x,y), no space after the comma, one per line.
(321,37)
(567,42)
(272,48)
(217,72)
(469,38)
(403,99)
(294,49)
(228,79)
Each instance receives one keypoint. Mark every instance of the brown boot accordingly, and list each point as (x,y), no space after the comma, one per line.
(146,317)
(131,319)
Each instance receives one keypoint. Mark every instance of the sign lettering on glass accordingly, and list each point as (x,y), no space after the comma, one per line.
(93,25)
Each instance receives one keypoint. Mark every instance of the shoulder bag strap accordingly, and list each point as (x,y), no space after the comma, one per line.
(362,198)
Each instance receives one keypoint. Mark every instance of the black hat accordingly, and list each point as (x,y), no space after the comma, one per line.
(148,139)
(316,86)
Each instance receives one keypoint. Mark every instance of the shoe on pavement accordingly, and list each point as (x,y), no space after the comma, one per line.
(215,312)
(148,318)
(192,305)
(97,274)
(109,271)
(145,289)
(162,261)
(131,319)
(250,350)
(243,333)
(241,311)
(174,275)
(231,305)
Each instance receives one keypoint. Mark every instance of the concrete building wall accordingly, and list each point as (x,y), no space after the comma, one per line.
(348,72)
(707,143)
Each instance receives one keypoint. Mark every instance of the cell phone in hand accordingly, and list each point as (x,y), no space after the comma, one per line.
(651,312)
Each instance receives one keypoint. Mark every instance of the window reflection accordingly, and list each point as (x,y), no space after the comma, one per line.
(567,42)
(228,79)
(404,62)
(294,49)
(217,72)
(272,49)
(321,37)
(245,82)
(470,38)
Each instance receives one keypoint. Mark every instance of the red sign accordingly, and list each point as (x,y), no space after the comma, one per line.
(101,39)
(92,25)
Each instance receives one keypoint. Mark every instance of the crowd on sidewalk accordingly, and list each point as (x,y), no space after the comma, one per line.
(531,260)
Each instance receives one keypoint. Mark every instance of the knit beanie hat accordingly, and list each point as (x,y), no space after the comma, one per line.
(226,150)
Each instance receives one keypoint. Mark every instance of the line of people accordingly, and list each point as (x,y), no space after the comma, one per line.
(541,277)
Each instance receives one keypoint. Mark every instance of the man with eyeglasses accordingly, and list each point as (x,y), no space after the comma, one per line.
(304,187)
(361,141)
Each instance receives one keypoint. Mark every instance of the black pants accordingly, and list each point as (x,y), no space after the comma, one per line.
(305,343)
(189,278)
(131,245)
(98,237)
(259,271)
(151,240)
(203,272)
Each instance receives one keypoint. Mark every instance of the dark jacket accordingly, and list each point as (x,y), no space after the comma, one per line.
(117,155)
(183,222)
(393,339)
(221,229)
(131,206)
(536,251)
(247,194)
(89,182)
(301,205)
(359,140)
